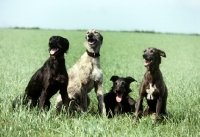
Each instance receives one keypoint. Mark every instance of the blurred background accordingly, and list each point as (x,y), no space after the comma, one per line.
(165,16)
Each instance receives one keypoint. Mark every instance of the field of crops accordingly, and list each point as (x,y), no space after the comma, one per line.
(24,51)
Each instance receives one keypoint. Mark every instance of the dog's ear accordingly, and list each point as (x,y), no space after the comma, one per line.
(101,38)
(162,53)
(114,78)
(66,43)
(130,79)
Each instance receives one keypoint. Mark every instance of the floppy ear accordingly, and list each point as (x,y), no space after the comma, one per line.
(162,53)
(114,78)
(66,43)
(130,79)
(101,38)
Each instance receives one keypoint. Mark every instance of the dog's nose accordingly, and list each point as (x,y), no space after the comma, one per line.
(144,56)
(90,35)
(118,91)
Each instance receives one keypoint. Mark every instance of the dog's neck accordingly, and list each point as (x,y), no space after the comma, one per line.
(56,58)
(151,76)
(153,69)
(92,54)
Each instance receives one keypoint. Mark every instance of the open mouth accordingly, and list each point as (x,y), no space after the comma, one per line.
(119,97)
(53,51)
(91,41)
(147,62)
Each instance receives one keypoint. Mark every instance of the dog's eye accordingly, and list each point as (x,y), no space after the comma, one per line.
(96,31)
(145,50)
(151,51)
(123,83)
(87,32)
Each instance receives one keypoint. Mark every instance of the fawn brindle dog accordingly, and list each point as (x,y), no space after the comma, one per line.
(153,87)
(85,75)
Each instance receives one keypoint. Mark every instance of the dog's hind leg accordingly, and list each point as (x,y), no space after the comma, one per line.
(29,101)
(132,104)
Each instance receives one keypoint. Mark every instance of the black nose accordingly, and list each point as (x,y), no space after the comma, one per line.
(118,91)
(90,35)
(144,56)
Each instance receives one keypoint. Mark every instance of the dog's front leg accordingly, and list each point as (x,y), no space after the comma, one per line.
(158,107)
(99,93)
(84,103)
(139,108)
(64,96)
(42,99)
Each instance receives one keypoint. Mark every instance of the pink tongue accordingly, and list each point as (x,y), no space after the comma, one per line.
(52,51)
(119,98)
(146,63)
(90,42)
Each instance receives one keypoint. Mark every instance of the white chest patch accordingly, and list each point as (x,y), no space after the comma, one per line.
(97,74)
(149,92)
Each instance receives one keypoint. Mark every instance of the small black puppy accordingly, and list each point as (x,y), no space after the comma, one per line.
(118,100)
(50,78)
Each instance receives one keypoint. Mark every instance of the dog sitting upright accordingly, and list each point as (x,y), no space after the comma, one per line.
(118,100)
(152,87)
(50,78)
(85,75)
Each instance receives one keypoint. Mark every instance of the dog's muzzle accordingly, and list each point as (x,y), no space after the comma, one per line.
(148,60)
(53,51)
(91,39)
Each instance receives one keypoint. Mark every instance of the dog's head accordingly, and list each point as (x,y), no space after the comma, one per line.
(93,38)
(152,58)
(58,46)
(121,86)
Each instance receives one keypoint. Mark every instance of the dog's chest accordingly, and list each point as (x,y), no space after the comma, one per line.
(89,71)
(96,74)
(151,90)
(118,108)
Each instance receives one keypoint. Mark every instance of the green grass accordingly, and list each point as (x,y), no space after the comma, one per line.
(24,51)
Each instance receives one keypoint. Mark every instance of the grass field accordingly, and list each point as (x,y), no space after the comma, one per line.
(24,51)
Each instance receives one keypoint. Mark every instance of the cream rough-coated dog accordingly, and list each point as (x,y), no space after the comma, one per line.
(85,75)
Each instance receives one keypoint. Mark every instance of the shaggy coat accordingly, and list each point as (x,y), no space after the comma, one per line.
(85,75)
(50,78)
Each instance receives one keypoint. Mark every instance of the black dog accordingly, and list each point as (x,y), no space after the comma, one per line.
(50,78)
(118,100)
(152,87)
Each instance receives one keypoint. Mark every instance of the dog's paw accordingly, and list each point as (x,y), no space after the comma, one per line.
(135,119)
(156,119)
